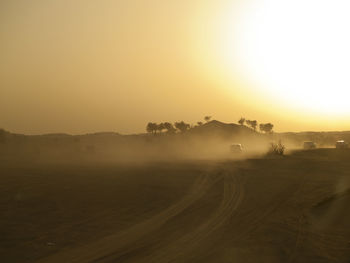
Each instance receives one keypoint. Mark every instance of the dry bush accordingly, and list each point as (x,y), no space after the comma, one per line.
(276,148)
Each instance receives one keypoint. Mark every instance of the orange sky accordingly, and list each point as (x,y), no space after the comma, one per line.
(85,66)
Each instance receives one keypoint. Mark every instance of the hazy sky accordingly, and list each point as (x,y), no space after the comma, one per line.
(86,65)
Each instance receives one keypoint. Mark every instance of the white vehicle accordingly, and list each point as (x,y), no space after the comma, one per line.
(341,144)
(236,148)
(309,145)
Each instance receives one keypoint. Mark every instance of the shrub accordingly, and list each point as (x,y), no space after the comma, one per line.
(276,148)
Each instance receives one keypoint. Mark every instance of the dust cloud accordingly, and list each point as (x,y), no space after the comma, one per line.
(115,148)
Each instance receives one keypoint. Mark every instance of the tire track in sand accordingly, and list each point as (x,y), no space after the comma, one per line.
(117,242)
(253,220)
(233,194)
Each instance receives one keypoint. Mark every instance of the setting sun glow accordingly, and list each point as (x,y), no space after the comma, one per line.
(80,66)
(297,52)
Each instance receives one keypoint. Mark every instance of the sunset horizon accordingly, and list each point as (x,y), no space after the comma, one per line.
(174,131)
(81,67)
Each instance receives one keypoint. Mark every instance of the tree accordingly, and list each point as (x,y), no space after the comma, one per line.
(252,124)
(261,127)
(199,123)
(266,127)
(241,121)
(207,118)
(151,127)
(160,127)
(169,127)
(182,126)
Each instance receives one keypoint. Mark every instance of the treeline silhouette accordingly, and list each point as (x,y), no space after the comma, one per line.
(154,128)
(263,127)
(180,126)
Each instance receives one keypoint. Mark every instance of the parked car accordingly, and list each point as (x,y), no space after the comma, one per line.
(341,144)
(309,145)
(236,148)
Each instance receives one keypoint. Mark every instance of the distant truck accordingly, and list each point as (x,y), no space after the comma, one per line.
(341,144)
(309,145)
(236,148)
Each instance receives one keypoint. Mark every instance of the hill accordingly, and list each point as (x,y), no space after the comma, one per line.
(209,140)
(217,128)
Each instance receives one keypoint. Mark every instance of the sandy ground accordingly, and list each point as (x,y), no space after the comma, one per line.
(288,209)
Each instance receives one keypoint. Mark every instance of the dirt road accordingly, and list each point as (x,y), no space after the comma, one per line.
(115,246)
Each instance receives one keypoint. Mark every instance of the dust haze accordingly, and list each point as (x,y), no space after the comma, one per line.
(208,142)
(175,196)
(106,155)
